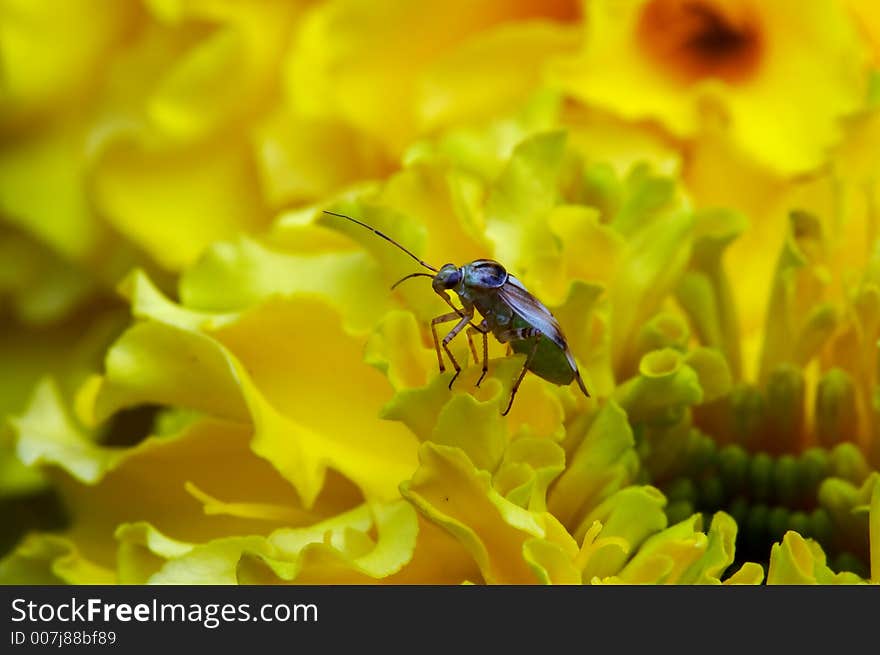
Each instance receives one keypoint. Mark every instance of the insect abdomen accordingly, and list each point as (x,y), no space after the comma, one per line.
(549,361)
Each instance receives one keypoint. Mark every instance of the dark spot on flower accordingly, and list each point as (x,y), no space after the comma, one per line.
(128,427)
(39,511)
(698,39)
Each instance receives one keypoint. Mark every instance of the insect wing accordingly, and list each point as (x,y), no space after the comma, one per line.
(531,310)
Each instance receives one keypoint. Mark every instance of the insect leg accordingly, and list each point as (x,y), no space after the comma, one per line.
(470,332)
(483,329)
(518,334)
(443,318)
(448,301)
(449,337)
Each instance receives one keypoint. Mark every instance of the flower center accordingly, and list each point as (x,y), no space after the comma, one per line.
(768,495)
(696,39)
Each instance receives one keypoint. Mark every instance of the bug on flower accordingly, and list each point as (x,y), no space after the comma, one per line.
(512,314)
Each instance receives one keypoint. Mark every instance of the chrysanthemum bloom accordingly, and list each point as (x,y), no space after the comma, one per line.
(146,133)
(174,123)
(266,344)
(754,92)
(296,429)
(777,76)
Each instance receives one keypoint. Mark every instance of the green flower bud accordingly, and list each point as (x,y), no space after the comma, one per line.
(847,462)
(747,413)
(739,509)
(761,476)
(836,417)
(733,466)
(679,510)
(800,523)
(756,527)
(814,466)
(849,562)
(838,497)
(711,492)
(785,408)
(681,489)
(778,521)
(821,527)
(701,452)
(785,479)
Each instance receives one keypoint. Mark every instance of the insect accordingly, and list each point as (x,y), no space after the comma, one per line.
(512,314)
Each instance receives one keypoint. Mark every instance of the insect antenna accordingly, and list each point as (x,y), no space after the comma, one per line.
(406,277)
(387,238)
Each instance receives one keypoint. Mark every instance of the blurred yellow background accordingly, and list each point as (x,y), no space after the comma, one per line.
(203,379)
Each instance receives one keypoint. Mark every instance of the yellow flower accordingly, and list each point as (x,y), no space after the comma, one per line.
(176,124)
(394,70)
(265,343)
(868,19)
(778,76)
(271,411)
(149,132)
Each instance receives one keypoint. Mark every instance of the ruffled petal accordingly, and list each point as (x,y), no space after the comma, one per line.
(448,490)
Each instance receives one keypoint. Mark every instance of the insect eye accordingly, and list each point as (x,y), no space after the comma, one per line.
(453,279)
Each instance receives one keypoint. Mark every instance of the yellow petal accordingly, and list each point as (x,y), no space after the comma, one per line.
(145,366)
(104,486)
(254,354)
(719,552)
(480,151)
(303,159)
(47,64)
(602,463)
(43,559)
(706,291)
(550,562)
(503,66)
(395,348)
(477,428)
(174,202)
(297,427)
(520,200)
(227,73)
(801,561)
(667,555)
(234,276)
(652,263)
(448,490)
(143,551)
(642,59)
(361,64)
(530,465)
(749,573)
(42,190)
(262,511)
(334,551)
(632,515)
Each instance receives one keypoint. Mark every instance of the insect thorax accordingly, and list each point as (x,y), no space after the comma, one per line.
(484,274)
